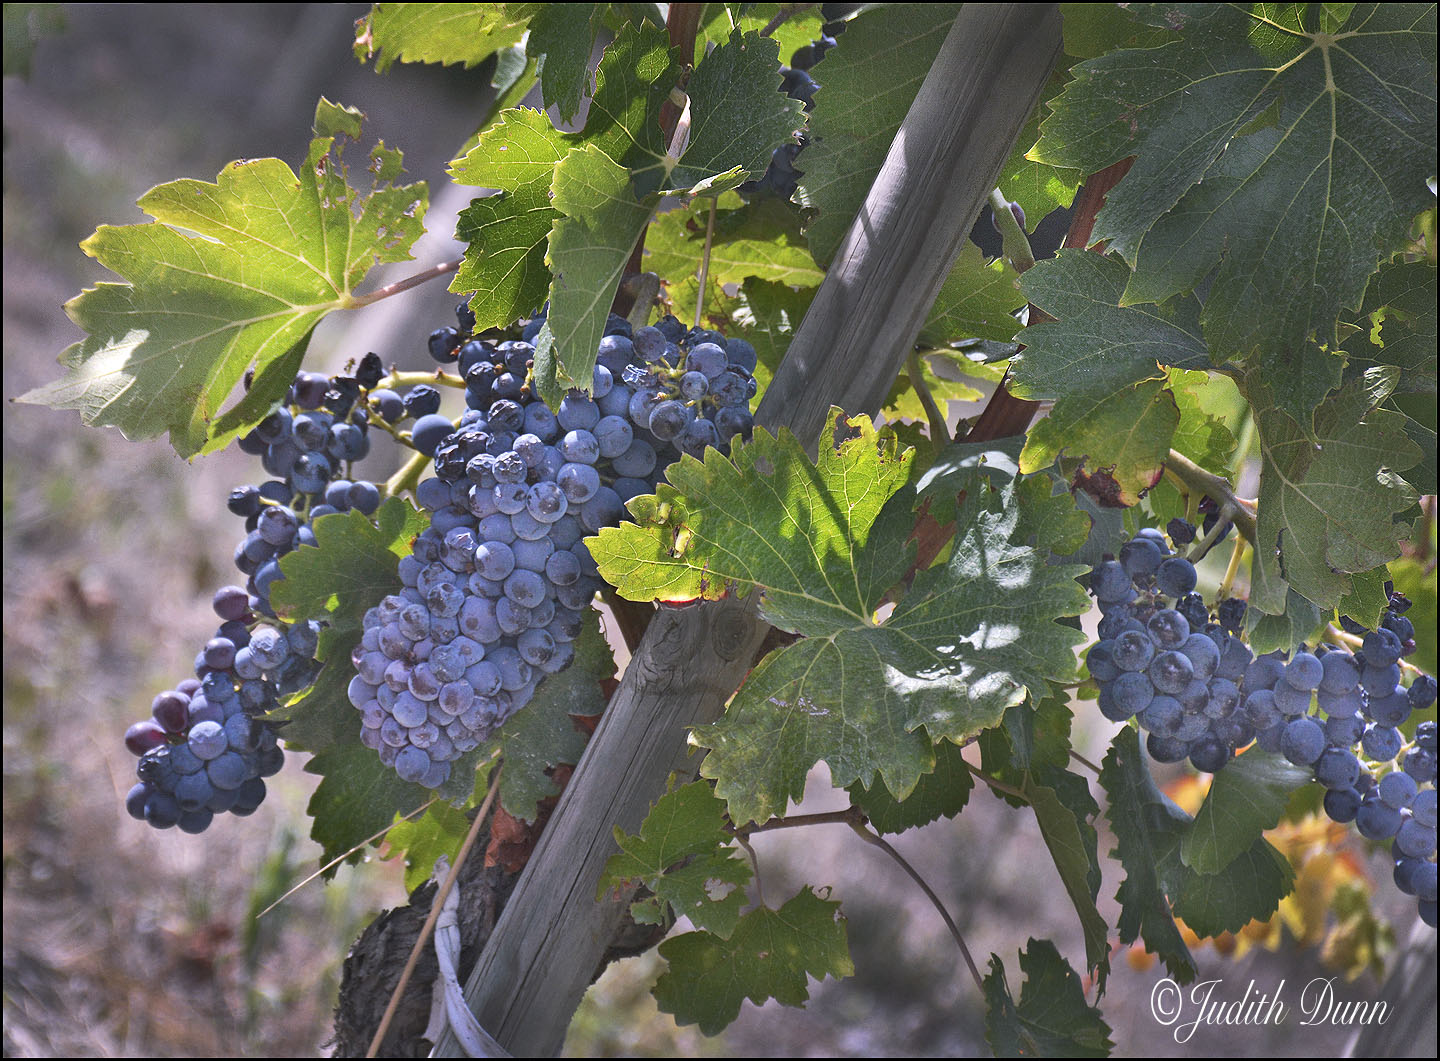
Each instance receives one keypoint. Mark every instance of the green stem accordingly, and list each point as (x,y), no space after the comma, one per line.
(415,379)
(1243,444)
(1232,568)
(1199,550)
(939,429)
(998,786)
(1015,244)
(1200,481)
(705,262)
(848,816)
(408,477)
(356,301)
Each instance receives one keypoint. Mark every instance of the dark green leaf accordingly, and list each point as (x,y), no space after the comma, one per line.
(1327,502)
(738,116)
(769,955)
(1251,99)
(1150,831)
(1096,346)
(356,798)
(1051,1019)
(683,855)
(942,793)
(1246,798)
(977,301)
(1141,818)
(562,36)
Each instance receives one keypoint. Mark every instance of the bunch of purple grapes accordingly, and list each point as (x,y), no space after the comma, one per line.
(205,748)
(495,589)
(1198,691)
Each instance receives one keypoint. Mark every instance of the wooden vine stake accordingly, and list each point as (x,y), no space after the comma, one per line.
(551,939)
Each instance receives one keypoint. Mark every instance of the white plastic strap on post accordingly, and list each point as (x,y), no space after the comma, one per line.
(448,1006)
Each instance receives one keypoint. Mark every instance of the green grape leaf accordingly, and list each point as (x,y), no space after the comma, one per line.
(942,793)
(1286,630)
(768,955)
(1246,798)
(683,855)
(800,27)
(357,796)
(589,246)
(1416,580)
(966,641)
(1151,831)
(1201,435)
(1367,600)
(504,264)
(869,80)
(562,37)
(1051,1019)
(1064,810)
(760,239)
(439,831)
(977,301)
(1249,888)
(435,33)
(1029,739)
(1327,501)
(1139,816)
(767,315)
(1250,99)
(1094,345)
(1398,320)
(349,569)
(903,402)
(543,735)
(1036,187)
(632,82)
(1094,29)
(1400,317)
(1029,751)
(955,469)
(1120,438)
(234,274)
(738,116)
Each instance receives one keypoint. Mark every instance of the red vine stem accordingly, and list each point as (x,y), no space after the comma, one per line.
(1004,414)
(683,24)
(439,269)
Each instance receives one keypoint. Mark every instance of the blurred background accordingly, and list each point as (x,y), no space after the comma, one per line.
(122,940)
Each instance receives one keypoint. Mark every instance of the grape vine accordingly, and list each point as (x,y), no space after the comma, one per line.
(652,296)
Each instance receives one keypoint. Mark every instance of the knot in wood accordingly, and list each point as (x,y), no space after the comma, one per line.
(731,631)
